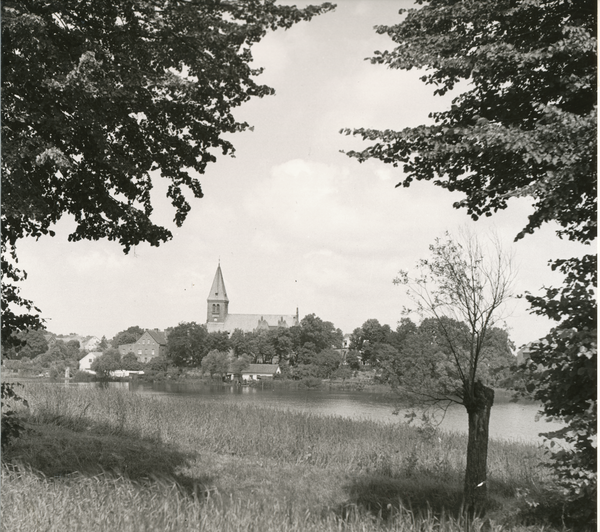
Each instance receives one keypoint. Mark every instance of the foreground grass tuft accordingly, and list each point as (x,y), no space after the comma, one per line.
(106,459)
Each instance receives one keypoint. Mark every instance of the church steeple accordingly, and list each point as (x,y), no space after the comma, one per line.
(217,301)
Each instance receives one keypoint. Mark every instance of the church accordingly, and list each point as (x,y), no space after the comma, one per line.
(219,319)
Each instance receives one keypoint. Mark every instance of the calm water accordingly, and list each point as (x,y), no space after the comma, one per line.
(510,421)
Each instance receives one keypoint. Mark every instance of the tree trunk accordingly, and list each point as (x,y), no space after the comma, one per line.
(478,402)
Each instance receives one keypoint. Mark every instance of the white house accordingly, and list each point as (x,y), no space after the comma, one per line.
(85,364)
(256,372)
(125,373)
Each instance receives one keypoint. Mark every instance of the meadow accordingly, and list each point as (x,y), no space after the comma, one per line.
(97,459)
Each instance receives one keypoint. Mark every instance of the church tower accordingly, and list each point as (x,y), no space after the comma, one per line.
(217,301)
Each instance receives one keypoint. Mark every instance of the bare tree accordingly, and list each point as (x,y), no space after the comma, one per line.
(462,289)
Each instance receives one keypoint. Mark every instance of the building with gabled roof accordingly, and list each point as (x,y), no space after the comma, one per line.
(91,344)
(87,343)
(151,344)
(85,364)
(255,372)
(218,317)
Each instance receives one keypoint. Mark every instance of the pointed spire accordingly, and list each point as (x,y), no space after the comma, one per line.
(218,292)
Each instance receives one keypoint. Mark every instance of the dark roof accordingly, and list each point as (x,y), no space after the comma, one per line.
(265,369)
(158,336)
(217,291)
(251,322)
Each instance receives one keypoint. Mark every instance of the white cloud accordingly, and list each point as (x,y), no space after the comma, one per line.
(265,242)
(348,209)
(99,261)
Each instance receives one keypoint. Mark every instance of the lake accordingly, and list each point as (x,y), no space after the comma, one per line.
(508,421)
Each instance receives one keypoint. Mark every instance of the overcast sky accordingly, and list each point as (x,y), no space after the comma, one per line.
(294,222)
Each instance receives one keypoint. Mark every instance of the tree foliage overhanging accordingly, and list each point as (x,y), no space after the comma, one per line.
(525,126)
(97,94)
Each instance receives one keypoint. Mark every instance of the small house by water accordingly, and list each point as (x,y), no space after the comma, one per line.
(255,372)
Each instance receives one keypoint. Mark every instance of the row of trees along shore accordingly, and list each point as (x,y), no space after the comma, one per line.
(312,349)
(103,93)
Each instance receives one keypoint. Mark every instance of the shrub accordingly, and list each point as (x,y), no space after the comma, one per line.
(83,376)
(12,425)
(310,382)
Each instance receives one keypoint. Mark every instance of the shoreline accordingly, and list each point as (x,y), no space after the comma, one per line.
(502,395)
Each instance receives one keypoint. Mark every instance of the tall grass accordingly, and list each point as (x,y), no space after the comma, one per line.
(104,503)
(107,459)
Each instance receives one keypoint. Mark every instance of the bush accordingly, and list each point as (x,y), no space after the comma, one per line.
(342,373)
(304,371)
(12,425)
(83,376)
(130,362)
(12,364)
(106,363)
(158,368)
(310,382)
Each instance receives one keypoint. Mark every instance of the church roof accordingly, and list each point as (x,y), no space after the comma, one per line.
(218,292)
(251,322)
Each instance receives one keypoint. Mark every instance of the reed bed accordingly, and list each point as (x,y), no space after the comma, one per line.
(108,459)
(117,504)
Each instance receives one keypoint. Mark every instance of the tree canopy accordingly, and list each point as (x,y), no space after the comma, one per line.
(187,344)
(106,363)
(463,288)
(524,125)
(319,334)
(32,343)
(562,373)
(128,336)
(216,362)
(98,94)
(368,337)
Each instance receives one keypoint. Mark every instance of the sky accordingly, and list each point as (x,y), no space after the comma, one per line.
(293,221)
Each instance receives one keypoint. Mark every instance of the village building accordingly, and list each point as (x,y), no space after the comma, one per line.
(345,348)
(125,373)
(85,364)
(524,352)
(87,343)
(151,344)
(91,344)
(256,372)
(218,317)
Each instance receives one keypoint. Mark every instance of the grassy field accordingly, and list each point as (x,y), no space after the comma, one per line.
(105,459)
